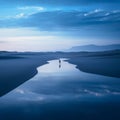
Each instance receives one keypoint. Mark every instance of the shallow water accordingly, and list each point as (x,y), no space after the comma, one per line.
(62,92)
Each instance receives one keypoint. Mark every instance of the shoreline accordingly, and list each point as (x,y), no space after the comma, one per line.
(104,70)
(17,68)
(15,72)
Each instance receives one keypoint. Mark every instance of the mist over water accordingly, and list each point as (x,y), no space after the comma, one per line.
(61,91)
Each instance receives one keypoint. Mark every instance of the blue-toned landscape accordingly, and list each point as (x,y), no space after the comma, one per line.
(59,85)
(59,60)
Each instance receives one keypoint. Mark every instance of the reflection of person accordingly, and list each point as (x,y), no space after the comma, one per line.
(59,66)
(59,63)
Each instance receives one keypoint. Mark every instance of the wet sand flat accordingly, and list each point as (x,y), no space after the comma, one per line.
(16,68)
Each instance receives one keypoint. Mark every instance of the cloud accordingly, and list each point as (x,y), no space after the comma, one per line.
(37,8)
(21,15)
(93,12)
(95,23)
(65,19)
(1,41)
(20,91)
(71,19)
(27,11)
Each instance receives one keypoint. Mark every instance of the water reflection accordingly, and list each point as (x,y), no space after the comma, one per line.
(62,89)
(64,83)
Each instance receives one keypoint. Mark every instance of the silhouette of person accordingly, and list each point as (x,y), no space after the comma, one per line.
(59,63)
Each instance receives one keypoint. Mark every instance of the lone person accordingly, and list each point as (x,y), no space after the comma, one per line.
(59,63)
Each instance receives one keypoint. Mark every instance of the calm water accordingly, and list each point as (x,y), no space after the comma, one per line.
(61,92)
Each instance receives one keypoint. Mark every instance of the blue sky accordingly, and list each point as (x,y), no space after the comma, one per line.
(48,25)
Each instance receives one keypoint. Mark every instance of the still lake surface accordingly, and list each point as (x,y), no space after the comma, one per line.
(62,92)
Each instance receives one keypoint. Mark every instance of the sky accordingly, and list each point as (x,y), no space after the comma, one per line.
(53,25)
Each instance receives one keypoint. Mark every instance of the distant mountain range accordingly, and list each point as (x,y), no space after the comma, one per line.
(93,48)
